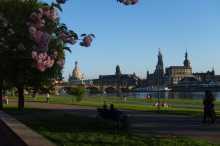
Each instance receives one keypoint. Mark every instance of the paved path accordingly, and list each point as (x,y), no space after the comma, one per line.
(149,124)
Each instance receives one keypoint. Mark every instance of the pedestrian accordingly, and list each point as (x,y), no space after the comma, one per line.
(209,107)
(5,99)
(125,99)
(47,97)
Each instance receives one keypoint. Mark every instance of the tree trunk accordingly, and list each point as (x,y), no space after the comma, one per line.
(20,98)
(1,95)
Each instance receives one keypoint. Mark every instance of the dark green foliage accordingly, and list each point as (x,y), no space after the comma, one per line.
(79,92)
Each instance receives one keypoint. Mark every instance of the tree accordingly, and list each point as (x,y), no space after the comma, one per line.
(33,43)
(34,54)
(79,92)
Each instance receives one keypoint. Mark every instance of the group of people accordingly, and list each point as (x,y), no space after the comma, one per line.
(110,113)
(115,115)
(161,104)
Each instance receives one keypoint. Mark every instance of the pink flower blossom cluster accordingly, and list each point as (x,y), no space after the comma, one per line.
(86,42)
(128,2)
(37,23)
(43,60)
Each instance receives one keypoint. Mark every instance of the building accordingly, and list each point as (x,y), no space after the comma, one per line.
(205,76)
(176,73)
(77,77)
(171,75)
(118,80)
(156,78)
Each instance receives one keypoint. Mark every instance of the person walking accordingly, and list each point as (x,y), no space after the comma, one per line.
(47,97)
(209,107)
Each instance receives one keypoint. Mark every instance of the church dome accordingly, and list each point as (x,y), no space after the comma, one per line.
(77,75)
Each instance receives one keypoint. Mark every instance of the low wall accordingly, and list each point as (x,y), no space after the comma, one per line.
(14,133)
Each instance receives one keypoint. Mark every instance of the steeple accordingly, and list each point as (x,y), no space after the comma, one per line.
(159,71)
(213,70)
(186,62)
(160,59)
(159,67)
(118,70)
(76,64)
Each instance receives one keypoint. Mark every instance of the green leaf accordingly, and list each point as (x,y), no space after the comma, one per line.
(68,49)
(57,6)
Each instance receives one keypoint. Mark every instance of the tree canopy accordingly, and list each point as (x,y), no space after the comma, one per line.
(33,42)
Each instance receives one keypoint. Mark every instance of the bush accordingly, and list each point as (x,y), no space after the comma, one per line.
(79,92)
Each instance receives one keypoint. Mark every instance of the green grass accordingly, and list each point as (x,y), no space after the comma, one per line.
(177,106)
(70,130)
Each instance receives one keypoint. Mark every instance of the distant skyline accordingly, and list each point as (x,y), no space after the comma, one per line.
(130,36)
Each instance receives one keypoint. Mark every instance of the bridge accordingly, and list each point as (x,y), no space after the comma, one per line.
(93,88)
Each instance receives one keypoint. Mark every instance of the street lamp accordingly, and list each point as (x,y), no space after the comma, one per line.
(158,92)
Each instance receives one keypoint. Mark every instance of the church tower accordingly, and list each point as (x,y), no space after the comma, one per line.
(186,62)
(117,70)
(77,75)
(159,71)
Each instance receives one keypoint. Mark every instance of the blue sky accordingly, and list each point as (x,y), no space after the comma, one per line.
(131,36)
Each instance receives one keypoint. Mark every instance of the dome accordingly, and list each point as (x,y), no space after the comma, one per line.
(77,75)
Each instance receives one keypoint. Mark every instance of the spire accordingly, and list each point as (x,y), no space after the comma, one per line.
(159,52)
(186,62)
(76,64)
(213,69)
(118,70)
(160,58)
(186,55)
(159,72)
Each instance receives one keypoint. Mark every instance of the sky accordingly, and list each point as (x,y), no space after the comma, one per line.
(130,36)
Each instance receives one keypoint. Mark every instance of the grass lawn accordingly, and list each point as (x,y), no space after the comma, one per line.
(177,106)
(70,130)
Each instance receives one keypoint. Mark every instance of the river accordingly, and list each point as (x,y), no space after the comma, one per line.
(167,94)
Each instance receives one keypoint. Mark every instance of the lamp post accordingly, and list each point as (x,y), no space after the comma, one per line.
(158,92)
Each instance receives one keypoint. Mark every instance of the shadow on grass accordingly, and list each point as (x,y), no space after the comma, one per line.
(70,130)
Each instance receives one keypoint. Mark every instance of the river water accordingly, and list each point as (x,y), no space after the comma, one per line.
(187,95)
(167,94)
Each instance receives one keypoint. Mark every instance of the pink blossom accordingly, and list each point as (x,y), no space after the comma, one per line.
(41,12)
(50,62)
(34,54)
(42,39)
(36,20)
(41,67)
(61,63)
(32,30)
(53,14)
(46,11)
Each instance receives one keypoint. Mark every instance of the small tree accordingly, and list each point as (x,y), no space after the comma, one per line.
(78,92)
